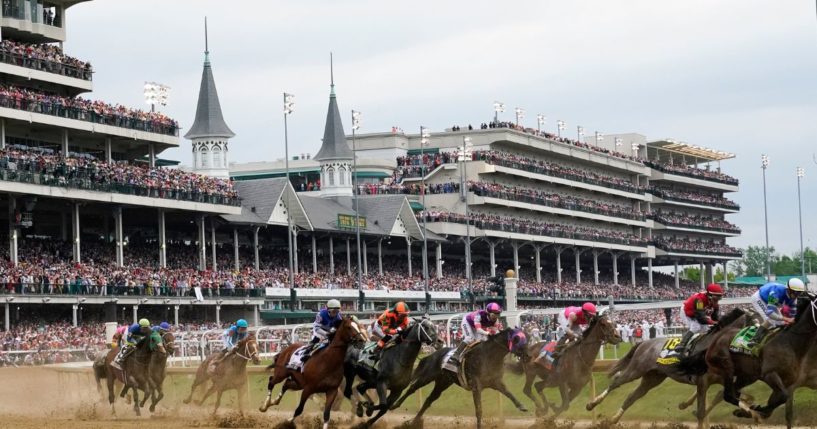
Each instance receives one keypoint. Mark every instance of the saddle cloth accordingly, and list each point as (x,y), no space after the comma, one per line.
(366,356)
(740,344)
(668,355)
(295,363)
(545,356)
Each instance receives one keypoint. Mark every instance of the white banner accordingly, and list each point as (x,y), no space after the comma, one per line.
(199,296)
(278,292)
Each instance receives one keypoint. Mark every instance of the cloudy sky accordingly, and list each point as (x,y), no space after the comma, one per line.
(734,75)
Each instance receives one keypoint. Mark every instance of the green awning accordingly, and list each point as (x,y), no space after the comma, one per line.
(415,205)
(760,281)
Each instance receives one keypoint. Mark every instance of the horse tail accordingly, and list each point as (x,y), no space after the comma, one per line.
(274,361)
(623,362)
(99,372)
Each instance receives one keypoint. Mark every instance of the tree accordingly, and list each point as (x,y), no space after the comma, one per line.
(754,260)
(692,274)
(786,266)
(719,276)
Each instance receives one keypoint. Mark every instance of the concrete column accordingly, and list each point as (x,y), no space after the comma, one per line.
(7,318)
(515,246)
(492,255)
(725,275)
(202,243)
(64,142)
(438,255)
(510,299)
(255,247)
(218,315)
(256,319)
(162,240)
(214,264)
(632,270)
(408,255)
(76,232)
(702,269)
(152,155)
(2,133)
(108,150)
(712,272)
(649,272)
(13,230)
(295,250)
(578,266)
(331,256)
(615,268)
(237,264)
(119,240)
(64,226)
(175,315)
(348,258)
(536,256)
(365,258)
(74,309)
(596,267)
(559,264)
(380,256)
(677,279)
(135,314)
(314,255)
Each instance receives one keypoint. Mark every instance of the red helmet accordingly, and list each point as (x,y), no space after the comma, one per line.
(714,289)
(589,307)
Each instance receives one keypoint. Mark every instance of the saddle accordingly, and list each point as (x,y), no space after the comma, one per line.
(741,342)
(668,355)
(295,361)
(459,370)
(545,356)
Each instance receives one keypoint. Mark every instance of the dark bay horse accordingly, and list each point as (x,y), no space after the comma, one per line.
(158,367)
(573,369)
(396,365)
(322,373)
(641,363)
(484,365)
(231,374)
(135,374)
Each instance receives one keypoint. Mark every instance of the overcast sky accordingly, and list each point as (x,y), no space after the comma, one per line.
(733,75)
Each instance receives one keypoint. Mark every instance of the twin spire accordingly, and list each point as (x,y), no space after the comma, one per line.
(334,145)
(209,122)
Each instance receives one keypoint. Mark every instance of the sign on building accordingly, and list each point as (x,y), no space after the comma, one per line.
(348,221)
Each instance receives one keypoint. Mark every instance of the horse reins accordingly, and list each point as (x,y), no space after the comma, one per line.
(246,350)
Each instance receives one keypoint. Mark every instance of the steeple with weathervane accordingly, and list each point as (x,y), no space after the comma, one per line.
(209,134)
(335,155)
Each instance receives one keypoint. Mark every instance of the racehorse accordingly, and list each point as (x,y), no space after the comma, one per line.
(786,362)
(134,374)
(395,368)
(482,368)
(322,373)
(157,369)
(573,369)
(641,363)
(230,374)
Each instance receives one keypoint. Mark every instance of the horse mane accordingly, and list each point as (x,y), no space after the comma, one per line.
(593,322)
(801,304)
(728,319)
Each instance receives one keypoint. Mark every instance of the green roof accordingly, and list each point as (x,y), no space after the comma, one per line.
(760,281)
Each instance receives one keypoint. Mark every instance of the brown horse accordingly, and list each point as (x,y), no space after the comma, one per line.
(322,373)
(231,374)
(574,368)
(157,369)
(135,374)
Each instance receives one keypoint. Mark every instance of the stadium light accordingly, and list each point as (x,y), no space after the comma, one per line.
(464,154)
(156,93)
(764,164)
(355,127)
(634,147)
(599,138)
(498,108)
(560,126)
(619,141)
(425,140)
(800,174)
(289,107)
(580,132)
(540,120)
(520,114)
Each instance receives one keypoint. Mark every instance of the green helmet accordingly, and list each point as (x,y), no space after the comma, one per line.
(144,323)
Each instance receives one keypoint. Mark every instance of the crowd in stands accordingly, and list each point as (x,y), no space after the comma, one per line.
(414,165)
(86,172)
(686,245)
(44,57)
(526,226)
(693,221)
(50,343)
(696,173)
(694,197)
(78,108)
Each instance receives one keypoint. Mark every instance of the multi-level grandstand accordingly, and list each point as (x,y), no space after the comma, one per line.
(100,228)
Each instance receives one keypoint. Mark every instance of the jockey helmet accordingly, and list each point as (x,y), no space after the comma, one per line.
(164,326)
(241,323)
(796,285)
(589,308)
(333,304)
(144,323)
(714,289)
(493,308)
(401,308)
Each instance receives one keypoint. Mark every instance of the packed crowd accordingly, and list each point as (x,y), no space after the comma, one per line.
(699,222)
(78,108)
(525,226)
(686,245)
(44,57)
(693,197)
(696,173)
(414,165)
(86,172)
(49,343)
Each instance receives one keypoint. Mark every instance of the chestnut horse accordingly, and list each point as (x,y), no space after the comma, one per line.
(322,373)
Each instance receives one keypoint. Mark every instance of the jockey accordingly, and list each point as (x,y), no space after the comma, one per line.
(392,322)
(477,326)
(230,338)
(699,312)
(162,329)
(136,333)
(119,336)
(768,302)
(323,326)
(571,321)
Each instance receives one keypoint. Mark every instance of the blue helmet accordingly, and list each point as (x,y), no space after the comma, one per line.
(241,323)
(164,326)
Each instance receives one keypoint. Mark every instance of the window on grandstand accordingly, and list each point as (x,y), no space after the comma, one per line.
(330,173)
(205,159)
(341,176)
(216,157)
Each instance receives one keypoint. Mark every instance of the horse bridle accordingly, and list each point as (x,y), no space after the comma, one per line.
(421,330)
(249,355)
(169,346)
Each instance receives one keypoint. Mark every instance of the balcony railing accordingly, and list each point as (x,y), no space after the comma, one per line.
(118,290)
(56,67)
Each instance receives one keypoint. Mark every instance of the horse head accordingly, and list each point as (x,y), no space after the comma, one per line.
(349,331)
(513,340)
(601,326)
(169,341)
(247,348)
(806,317)
(424,331)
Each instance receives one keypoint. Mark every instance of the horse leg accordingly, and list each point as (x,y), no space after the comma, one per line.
(529,377)
(218,400)
(363,389)
(789,410)
(305,394)
(206,394)
(393,395)
(196,382)
(539,386)
(476,391)
(271,382)
(381,397)
(109,382)
(500,387)
(780,395)
(415,386)
(648,382)
(621,378)
(242,398)
(136,408)
(439,388)
(327,409)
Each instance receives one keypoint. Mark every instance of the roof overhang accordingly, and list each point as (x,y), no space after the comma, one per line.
(685,149)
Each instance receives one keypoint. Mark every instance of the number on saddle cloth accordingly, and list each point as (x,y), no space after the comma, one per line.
(668,355)
(741,342)
(366,354)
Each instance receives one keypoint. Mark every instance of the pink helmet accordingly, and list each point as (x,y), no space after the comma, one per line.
(589,307)
(493,308)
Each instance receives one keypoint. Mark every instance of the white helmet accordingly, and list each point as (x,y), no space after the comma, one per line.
(796,285)
(333,304)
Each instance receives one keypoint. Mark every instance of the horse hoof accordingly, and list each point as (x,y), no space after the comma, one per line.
(590,406)
(186,401)
(152,408)
(369,411)
(742,414)
(523,409)
(359,410)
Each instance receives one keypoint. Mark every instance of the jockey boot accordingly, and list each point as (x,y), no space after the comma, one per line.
(377,353)
(760,334)
(681,347)
(456,358)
